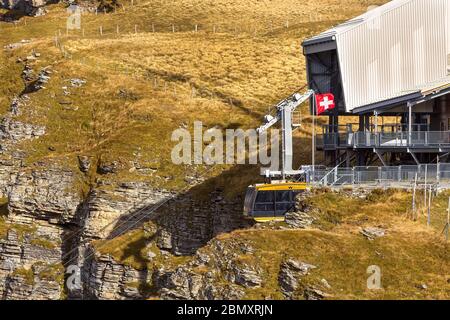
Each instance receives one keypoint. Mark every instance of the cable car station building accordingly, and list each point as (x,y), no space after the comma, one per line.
(389,71)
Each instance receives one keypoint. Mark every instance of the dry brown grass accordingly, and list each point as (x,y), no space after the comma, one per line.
(410,254)
(253,70)
(235,72)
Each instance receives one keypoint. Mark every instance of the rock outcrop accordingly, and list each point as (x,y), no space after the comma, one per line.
(15,131)
(107,279)
(109,212)
(28,7)
(198,221)
(44,195)
(199,278)
(56,228)
(299,219)
(290,274)
(371,233)
(292,282)
(30,262)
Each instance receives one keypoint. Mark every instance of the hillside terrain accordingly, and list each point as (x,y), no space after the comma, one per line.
(86,177)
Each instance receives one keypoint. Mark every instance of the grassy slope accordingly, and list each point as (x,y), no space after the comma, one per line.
(409,255)
(252,61)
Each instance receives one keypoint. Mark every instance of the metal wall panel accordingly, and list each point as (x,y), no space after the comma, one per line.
(448,35)
(395,52)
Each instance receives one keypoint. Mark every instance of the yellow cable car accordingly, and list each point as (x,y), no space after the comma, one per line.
(271,202)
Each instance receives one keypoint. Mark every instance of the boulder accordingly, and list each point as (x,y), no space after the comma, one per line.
(290,274)
(371,233)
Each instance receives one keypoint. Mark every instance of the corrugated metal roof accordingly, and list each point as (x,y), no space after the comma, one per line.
(352,23)
(396,50)
(416,93)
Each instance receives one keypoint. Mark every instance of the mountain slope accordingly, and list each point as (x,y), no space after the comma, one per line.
(86,177)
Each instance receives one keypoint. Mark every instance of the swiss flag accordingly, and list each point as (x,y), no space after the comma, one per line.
(324,102)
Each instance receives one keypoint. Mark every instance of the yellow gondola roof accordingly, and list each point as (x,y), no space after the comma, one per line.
(281,186)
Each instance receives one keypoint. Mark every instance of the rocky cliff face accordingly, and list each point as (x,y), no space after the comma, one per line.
(180,225)
(223,269)
(39,211)
(56,228)
(28,7)
(30,264)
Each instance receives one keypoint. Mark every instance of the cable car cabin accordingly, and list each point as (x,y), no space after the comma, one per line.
(269,202)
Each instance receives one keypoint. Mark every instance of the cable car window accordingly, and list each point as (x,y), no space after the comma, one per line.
(264,202)
(283,196)
(264,196)
(284,207)
(284,202)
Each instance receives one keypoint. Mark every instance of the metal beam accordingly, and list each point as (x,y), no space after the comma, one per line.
(319,44)
(433,95)
(380,156)
(409,104)
(387,104)
(375,113)
(414,156)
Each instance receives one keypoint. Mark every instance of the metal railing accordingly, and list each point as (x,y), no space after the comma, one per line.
(333,140)
(379,176)
(402,139)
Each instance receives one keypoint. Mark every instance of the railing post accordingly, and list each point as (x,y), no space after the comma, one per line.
(437,172)
(425,183)
(335,175)
(409,122)
(379,174)
(399,173)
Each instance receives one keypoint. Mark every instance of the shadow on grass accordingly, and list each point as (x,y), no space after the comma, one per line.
(194,217)
(12,15)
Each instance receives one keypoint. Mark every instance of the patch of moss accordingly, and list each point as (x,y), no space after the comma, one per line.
(132,249)
(333,208)
(26,274)
(146,289)
(23,230)
(53,272)
(3,228)
(44,243)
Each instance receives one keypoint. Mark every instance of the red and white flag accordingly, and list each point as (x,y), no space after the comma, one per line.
(324,102)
